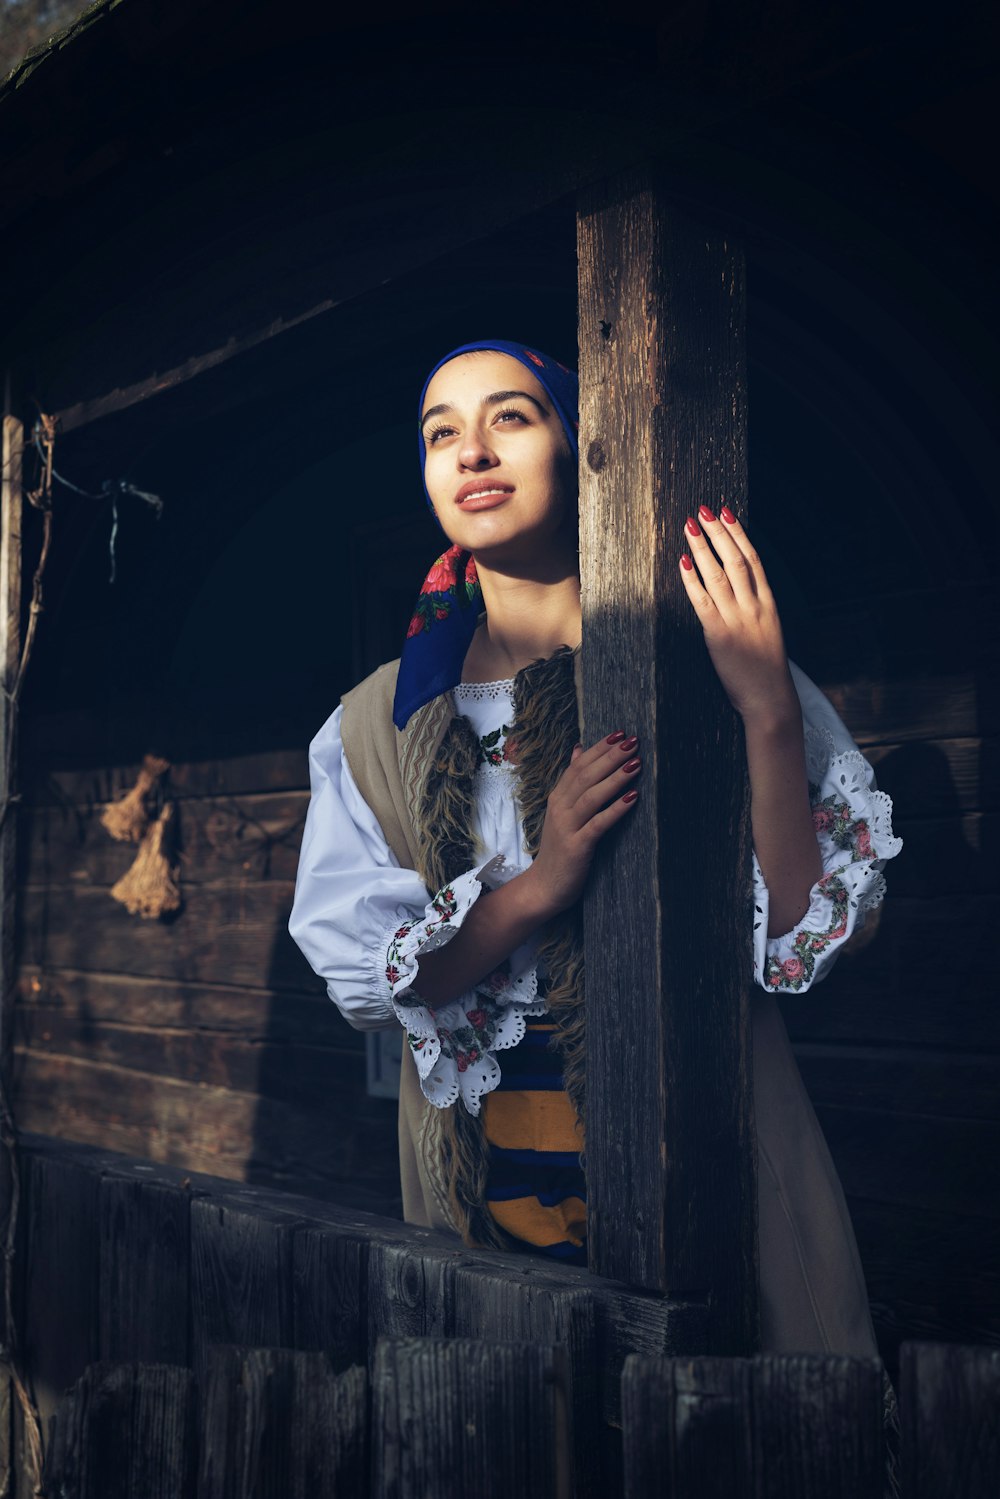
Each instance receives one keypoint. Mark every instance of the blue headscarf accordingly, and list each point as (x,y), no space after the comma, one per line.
(450,602)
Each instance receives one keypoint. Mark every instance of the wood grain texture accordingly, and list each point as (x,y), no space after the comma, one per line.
(529,1308)
(465,1416)
(409,1292)
(215,1130)
(913,1081)
(930,1275)
(241,1276)
(144,1249)
(252,1014)
(671,1186)
(939,776)
(687,1428)
(278,1424)
(7,1452)
(330,1294)
(949,1407)
(253,837)
(54,783)
(944,1165)
(883,709)
(235,932)
(122,1431)
(318,1077)
(771,1426)
(58,1271)
(11,507)
(818,1427)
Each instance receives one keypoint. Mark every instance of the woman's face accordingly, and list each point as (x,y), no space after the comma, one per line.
(499,469)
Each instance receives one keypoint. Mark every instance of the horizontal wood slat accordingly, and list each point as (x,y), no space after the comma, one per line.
(236,775)
(929,1274)
(926,707)
(215,1130)
(233,933)
(918,1082)
(251,837)
(939,777)
(314,1077)
(128,999)
(945,1165)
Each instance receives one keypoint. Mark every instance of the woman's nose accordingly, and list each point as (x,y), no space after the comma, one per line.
(475,451)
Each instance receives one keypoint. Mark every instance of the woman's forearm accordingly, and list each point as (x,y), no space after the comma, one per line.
(495,926)
(783,835)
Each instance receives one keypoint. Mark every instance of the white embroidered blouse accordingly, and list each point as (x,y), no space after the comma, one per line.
(363,922)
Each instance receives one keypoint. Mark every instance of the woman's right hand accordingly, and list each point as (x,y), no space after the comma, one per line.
(593,793)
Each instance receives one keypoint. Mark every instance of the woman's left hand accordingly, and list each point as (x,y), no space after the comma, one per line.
(731,597)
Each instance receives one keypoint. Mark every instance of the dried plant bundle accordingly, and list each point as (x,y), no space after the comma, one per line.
(126,820)
(151,887)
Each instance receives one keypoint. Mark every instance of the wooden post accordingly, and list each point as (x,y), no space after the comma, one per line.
(780,1425)
(670,1143)
(10,654)
(459,1416)
(949,1406)
(125,1430)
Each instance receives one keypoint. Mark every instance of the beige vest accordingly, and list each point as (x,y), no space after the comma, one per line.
(812,1287)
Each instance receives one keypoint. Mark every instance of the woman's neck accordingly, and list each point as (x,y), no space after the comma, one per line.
(526,618)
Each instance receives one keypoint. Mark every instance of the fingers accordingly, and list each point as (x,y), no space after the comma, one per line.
(613,786)
(724,570)
(595,776)
(723,573)
(598,762)
(732,527)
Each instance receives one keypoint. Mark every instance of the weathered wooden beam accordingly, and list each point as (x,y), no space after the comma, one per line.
(278,1424)
(125,1430)
(784,1426)
(144,1256)
(950,1419)
(241,1276)
(11,504)
(462,1416)
(58,1270)
(670,1143)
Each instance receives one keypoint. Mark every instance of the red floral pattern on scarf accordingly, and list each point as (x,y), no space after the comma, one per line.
(453,579)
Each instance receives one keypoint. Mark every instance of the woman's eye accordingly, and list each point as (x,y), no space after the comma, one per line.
(430,438)
(511,411)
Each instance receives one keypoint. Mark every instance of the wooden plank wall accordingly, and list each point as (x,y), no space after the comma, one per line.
(203,1040)
(899,1047)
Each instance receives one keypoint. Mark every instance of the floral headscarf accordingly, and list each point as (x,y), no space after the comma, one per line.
(451,599)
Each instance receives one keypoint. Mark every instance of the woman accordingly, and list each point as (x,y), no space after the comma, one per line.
(456,774)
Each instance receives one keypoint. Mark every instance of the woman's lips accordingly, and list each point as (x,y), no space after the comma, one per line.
(488,501)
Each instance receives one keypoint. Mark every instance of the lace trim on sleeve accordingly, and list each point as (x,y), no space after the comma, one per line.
(853,825)
(453,1045)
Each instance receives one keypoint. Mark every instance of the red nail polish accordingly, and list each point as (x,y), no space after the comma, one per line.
(630,796)
(686,563)
(705,513)
(693,526)
(631,765)
(728,516)
(629,745)
(616,736)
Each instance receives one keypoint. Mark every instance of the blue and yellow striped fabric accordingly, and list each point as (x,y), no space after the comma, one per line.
(535,1189)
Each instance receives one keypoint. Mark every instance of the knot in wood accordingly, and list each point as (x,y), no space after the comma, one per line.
(596,456)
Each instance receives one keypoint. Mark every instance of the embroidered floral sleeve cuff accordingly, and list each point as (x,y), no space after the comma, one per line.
(853,823)
(453,1046)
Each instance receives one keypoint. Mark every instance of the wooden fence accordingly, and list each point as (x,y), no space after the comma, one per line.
(189,1338)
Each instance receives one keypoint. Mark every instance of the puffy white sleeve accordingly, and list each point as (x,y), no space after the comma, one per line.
(363,922)
(853,823)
